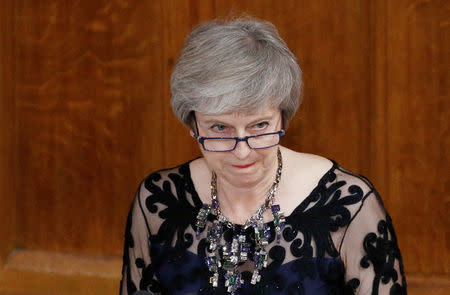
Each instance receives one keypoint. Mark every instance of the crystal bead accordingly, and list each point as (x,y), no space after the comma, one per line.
(276,219)
(228,264)
(214,280)
(235,245)
(222,219)
(230,280)
(256,277)
(245,247)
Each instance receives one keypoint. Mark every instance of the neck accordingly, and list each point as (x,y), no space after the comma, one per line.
(239,203)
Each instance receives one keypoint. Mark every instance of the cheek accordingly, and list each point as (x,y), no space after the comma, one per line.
(270,153)
(214,160)
(268,156)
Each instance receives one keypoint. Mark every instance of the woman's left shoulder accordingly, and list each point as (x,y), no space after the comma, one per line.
(303,173)
(319,169)
(306,163)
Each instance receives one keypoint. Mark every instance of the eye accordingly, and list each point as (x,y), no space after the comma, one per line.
(218,127)
(261,125)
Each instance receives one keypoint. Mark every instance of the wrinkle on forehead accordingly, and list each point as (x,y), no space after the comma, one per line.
(250,115)
(219,106)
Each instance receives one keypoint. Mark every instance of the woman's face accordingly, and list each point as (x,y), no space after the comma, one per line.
(243,167)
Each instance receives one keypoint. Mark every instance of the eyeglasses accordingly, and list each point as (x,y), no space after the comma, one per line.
(227,144)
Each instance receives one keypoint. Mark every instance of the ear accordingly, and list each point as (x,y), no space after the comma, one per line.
(192,133)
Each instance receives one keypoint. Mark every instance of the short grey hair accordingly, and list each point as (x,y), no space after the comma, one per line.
(239,65)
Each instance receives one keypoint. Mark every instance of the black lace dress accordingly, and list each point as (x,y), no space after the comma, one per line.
(339,240)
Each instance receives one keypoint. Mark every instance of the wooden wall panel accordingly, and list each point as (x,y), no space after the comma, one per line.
(409,118)
(417,108)
(91,101)
(7,133)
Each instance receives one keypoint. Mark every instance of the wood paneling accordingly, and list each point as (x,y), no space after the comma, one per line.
(409,117)
(91,105)
(417,108)
(410,150)
(433,285)
(7,132)
(91,72)
(17,282)
(59,273)
(65,263)
(86,86)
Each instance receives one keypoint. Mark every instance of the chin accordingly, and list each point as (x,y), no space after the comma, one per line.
(244,178)
(244,182)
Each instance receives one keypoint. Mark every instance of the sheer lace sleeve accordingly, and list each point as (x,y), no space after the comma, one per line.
(137,271)
(370,252)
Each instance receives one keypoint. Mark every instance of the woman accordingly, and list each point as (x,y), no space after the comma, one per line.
(251,216)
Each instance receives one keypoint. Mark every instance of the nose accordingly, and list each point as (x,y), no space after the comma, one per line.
(242,150)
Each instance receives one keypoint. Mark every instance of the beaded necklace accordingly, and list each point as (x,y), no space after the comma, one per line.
(228,256)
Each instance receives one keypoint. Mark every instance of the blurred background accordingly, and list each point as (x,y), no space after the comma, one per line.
(85,115)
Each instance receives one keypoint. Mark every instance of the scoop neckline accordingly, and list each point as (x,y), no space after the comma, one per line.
(197,200)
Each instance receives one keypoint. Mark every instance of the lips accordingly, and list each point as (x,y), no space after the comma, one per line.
(243,166)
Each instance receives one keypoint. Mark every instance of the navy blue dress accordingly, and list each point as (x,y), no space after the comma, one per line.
(339,240)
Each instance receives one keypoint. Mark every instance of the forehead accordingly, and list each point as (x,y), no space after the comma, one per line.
(239,116)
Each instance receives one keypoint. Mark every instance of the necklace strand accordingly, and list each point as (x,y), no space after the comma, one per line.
(228,256)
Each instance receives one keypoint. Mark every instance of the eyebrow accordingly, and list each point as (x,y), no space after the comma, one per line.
(264,118)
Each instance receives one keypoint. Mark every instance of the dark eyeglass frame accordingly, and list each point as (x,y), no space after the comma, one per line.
(202,139)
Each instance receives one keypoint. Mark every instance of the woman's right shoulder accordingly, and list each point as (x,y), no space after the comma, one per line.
(163,181)
(161,175)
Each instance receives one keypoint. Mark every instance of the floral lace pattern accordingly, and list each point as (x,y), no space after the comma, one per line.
(319,253)
(382,252)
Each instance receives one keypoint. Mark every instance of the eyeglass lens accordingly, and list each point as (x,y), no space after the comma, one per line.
(263,141)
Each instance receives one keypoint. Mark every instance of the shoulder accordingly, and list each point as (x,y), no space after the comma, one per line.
(309,166)
(304,166)
(301,174)
(165,182)
(300,164)
(168,202)
(352,180)
(312,177)
(349,193)
(159,176)
(170,187)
